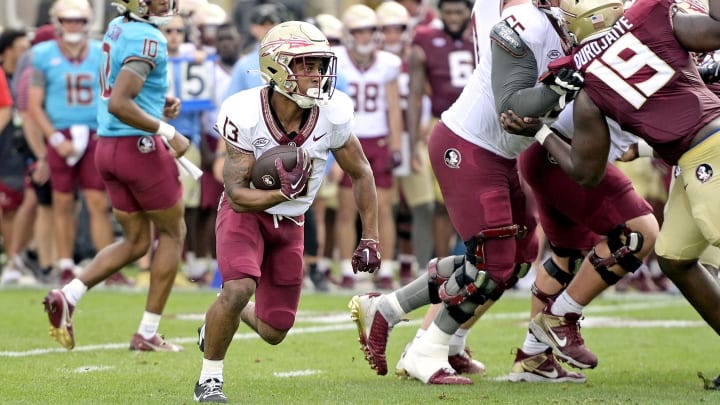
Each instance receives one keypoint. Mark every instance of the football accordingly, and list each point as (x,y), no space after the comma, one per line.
(264,175)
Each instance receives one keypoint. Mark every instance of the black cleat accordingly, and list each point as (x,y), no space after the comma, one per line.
(709,383)
(210,391)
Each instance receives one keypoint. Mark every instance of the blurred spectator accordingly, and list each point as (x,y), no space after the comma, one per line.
(191,78)
(13,43)
(421,13)
(205,21)
(372,75)
(246,72)
(63,102)
(16,210)
(287,9)
(211,149)
(39,170)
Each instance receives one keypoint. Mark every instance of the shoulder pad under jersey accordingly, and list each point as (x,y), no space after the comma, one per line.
(508,39)
(243,108)
(390,59)
(340,109)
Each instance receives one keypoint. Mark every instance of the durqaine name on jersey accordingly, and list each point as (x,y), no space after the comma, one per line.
(592,49)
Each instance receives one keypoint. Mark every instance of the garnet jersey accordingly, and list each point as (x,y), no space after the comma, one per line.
(366,87)
(473,116)
(637,69)
(449,64)
(247,124)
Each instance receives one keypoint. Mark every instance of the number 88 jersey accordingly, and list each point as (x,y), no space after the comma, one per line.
(366,87)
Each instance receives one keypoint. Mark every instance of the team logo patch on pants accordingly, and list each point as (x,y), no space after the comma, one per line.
(146,144)
(452,158)
(704,172)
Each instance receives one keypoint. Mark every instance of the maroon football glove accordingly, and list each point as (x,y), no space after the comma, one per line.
(293,182)
(366,257)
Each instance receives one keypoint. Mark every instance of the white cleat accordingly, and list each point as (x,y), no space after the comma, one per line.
(428,362)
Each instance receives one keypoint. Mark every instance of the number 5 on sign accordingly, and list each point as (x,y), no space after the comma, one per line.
(193,83)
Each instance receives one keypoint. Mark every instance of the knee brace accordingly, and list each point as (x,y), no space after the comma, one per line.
(475,246)
(440,271)
(575,258)
(623,243)
(554,271)
(521,270)
(453,280)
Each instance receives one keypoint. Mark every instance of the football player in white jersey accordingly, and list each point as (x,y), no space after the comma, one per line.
(372,78)
(415,193)
(474,162)
(260,232)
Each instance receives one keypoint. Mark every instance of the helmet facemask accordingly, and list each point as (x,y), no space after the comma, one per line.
(293,51)
(362,49)
(297,70)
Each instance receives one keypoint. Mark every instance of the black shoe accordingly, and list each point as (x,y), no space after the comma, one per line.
(210,391)
(201,338)
(319,280)
(709,383)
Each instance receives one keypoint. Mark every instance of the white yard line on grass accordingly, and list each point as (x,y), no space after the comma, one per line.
(295,373)
(342,322)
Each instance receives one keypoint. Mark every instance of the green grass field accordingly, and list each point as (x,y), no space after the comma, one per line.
(650,348)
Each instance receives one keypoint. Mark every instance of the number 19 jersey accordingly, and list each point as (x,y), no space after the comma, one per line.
(638,74)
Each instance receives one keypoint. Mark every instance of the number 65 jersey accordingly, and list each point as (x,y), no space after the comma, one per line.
(638,68)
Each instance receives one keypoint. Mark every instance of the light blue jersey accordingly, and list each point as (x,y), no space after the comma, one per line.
(71,90)
(125,41)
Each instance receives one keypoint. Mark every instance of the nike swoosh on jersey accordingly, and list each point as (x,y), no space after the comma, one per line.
(317,138)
